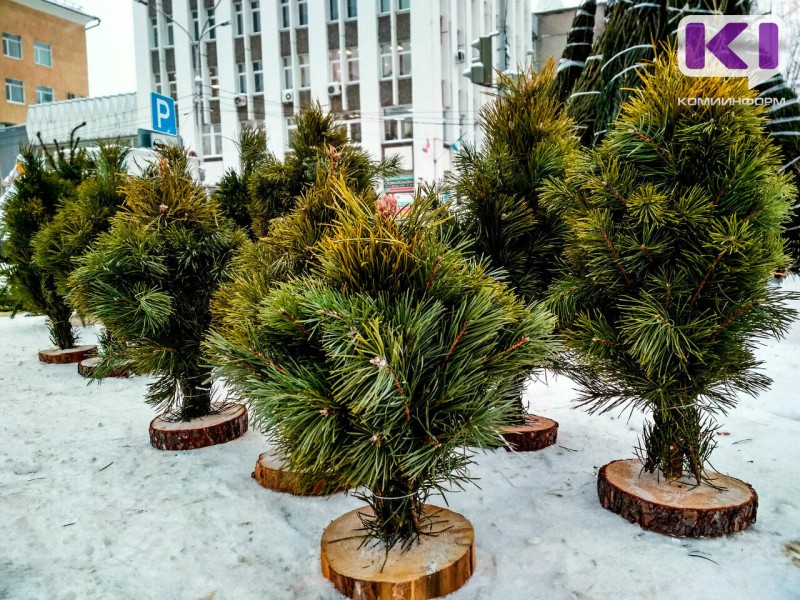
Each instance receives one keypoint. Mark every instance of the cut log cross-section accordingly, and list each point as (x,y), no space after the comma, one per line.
(53,356)
(218,428)
(536,433)
(434,566)
(271,474)
(681,508)
(87,366)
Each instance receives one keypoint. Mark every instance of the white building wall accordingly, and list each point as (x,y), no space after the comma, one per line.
(445,105)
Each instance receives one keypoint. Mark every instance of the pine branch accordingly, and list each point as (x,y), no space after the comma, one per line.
(706,277)
(296,323)
(453,345)
(509,350)
(436,264)
(613,250)
(645,138)
(746,308)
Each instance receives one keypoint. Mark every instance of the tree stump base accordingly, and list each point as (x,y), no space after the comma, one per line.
(54,356)
(434,565)
(272,474)
(681,508)
(224,426)
(87,366)
(535,434)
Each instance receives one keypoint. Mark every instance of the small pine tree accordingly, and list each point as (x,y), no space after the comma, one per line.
(150,280)
(233,191)
(528,138)
(276,185)
(381,365)
(674,231)
(47,181)
(82,217)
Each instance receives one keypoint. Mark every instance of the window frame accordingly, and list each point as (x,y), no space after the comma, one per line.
(238,19)
(7,41)
(351,9)
(400,7)
(403,50)
(351,54)
(255,16)
(386,50)
(258,75)
(212,139)
(302,11)
(45,89)
(285,16)
(287,66)
(401,119)
(154,33)
(39,47)
(335,65)
(241,78)
(304,72)
(333,13)
(384,7)
(16,83)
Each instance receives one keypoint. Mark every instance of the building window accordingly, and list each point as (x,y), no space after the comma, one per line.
(403,4)
(333,10)
(384,6)
(71,96)
(404,58)
(352,9)
(285,14)
(255,13)
(241,70)
(44,94)
(398,124)
(170,33)
(157,82)
(42,54)
(305,71)
(213,80)
(196,25)
(258,76)
(212,140)
(291,127)
(352,64)
(335,58)
(302,12)
(210,23)
(288,76)
(387,61)
(12,46)
(15,91)
(353,126)
(154,32)
(173,85)
(238,19)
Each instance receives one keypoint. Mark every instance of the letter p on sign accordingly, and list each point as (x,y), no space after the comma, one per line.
(163,111)
(726,46)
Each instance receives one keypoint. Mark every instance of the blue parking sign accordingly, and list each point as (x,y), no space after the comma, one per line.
(163,110)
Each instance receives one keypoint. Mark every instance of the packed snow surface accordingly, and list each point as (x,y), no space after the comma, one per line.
(88,509)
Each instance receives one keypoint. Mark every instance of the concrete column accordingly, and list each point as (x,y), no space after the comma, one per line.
(273,77)
(426,70)
(369,77)
(318,51)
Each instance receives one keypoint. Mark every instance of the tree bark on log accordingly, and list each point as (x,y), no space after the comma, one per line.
(87,366)
(535,434)
(218,428)
(54,356)
(434,566)
(271,474)
(682,508)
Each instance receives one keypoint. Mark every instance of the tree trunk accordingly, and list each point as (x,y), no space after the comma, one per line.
(196,396)
(62,333)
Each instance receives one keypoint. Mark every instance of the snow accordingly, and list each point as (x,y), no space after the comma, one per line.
(90,510)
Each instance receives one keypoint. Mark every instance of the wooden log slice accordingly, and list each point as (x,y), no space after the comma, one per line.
(681,508)
(272,474)
(535,434)
(434,566)
(87,366)
(218,428)
(55,356)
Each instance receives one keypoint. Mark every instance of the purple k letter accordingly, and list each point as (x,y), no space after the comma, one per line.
(718,45)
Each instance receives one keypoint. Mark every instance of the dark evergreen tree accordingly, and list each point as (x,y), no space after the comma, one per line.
(82,217)
(580,40)
(233,191)
(527,138)
(385,361)
(675,227)
(48,180)
(276,185)
(150,279)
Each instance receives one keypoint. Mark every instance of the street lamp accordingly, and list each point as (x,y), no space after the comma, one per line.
(196,42)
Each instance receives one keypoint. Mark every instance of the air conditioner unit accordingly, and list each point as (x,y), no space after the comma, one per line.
(334,88)
(288,96)
(240,101)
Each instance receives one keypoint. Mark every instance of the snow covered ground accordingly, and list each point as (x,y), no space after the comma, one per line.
(89,510)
